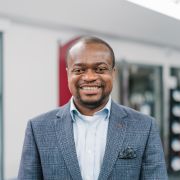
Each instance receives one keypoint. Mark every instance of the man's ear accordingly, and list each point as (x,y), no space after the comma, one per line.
(67,71)
(114,72)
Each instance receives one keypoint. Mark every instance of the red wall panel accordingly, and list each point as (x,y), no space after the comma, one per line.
(64,93)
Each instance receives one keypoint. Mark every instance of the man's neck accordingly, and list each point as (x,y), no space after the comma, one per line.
(89,110)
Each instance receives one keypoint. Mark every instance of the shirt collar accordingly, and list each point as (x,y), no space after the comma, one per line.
(106,109)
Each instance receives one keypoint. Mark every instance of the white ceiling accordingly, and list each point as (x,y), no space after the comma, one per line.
(116,18)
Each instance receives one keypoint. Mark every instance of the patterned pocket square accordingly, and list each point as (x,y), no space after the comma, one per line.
(128,153)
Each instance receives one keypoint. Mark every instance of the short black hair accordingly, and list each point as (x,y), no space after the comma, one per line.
(91,40)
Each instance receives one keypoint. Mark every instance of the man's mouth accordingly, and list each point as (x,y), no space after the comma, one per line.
(90,88)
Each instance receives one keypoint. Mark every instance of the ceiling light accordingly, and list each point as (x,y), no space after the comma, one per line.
(167,7)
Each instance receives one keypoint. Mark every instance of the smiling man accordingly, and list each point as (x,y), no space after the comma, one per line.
(90,68)
(92,137)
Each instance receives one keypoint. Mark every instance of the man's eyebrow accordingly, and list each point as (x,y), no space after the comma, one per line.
(79,64)
(94,64)
(101,63)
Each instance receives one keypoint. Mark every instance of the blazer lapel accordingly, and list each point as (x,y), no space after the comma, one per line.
(115,137)
(65,137)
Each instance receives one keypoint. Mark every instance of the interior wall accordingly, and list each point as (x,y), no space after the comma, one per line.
(30,84)
(31,77)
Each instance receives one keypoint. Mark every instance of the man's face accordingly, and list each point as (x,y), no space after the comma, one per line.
(90,74)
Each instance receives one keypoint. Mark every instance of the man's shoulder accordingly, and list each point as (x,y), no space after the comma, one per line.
(135,120)
(132,114)
(49,116)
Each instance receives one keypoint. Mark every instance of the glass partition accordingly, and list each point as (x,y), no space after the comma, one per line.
(141,89)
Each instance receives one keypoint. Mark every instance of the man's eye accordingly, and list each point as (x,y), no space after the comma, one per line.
(78,71)
(101,69)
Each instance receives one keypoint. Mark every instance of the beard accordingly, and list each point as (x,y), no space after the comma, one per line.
(92,104)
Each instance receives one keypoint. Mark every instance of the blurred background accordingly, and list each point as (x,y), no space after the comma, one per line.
(34,37)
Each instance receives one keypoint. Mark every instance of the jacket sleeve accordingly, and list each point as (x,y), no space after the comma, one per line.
(30,165)
(153,162)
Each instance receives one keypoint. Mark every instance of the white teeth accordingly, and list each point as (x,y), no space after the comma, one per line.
(89,88)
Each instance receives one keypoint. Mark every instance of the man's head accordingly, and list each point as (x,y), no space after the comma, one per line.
(90,70)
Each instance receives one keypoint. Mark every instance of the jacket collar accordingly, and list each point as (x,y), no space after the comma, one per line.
(115,137)
(66,144)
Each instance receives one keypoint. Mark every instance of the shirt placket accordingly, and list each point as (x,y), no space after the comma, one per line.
(89,151)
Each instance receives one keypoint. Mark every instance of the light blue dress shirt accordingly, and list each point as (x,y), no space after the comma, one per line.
(90,133)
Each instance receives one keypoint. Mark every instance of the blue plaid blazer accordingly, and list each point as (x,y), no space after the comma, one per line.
(133,149)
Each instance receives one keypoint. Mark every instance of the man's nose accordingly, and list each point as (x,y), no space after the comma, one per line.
(89,75)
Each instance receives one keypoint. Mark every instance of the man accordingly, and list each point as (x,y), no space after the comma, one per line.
(92,137)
